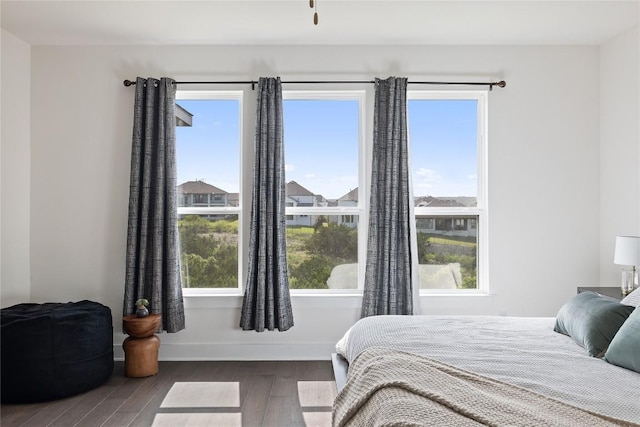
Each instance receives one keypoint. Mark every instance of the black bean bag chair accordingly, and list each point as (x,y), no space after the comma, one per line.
(54,350)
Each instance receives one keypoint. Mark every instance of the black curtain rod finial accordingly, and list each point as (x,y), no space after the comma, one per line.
(501,83)
(128,83)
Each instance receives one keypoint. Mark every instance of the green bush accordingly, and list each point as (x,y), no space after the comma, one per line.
(224,226)
(224,271)
(428,255)
(209,252)
(220,270)
(469,282)
(195,237)
(423,245)
(194,269)
(335,241)
(311,273)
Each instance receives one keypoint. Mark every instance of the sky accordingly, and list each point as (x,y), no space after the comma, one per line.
(443,138)
(209,150)
(321,145)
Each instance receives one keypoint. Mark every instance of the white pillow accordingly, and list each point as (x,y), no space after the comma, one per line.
(632,299)
(342,346)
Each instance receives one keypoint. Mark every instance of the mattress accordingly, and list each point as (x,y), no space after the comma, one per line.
(524,352)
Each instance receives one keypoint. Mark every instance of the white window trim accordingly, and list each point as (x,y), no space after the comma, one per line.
(481,210)
(234,95)
(365,98)
(361,210)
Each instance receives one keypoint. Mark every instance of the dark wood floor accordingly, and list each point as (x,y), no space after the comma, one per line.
(279,394)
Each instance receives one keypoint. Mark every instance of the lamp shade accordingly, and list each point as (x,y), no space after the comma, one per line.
(627,250)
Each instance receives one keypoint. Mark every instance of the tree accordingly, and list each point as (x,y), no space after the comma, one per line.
(193,271)
(209,252)
(423,245)
(196,237)
(311,273)
(224,269)
(334,241)
(320,223)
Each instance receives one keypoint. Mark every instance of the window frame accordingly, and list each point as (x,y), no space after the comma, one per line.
(362,209)
(213,95)
(480,211)
(365,99)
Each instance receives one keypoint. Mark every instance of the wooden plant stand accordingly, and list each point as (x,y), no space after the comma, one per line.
(141,346)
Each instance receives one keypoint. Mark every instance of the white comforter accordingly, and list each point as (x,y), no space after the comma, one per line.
(525,352)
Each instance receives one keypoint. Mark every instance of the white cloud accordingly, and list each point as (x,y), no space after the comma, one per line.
(310,175)
(289,168)
(426,178)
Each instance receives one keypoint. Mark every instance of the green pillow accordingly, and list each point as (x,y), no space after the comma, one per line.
(624,349)
(591,320)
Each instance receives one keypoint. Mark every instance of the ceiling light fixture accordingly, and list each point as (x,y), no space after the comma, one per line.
(314,5)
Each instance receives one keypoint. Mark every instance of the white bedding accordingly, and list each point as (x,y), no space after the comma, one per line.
(525,352)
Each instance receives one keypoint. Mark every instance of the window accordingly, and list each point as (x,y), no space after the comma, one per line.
(447,140)
(459,224)
(444,224)
(348,219)
(322,167)
(209,212)
(325,195)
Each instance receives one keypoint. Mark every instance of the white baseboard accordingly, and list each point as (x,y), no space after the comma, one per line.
(278,351)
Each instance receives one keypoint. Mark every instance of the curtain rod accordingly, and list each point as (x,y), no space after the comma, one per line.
(253,83)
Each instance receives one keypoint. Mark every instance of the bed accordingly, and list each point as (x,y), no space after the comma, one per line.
(467,368)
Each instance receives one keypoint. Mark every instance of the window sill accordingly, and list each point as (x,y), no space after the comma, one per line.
(310,299)
(307,300)
(458,293)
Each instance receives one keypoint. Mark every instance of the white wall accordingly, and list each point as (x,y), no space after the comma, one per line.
(619,147)
(15,170)
(543,177)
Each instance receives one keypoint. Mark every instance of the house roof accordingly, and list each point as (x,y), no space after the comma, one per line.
(350,196)
(431,202)
(295,189)
(199,187)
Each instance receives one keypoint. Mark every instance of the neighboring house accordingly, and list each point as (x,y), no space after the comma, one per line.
(298,196)
(457,226)
(349,199)
(233,199)
(444,202)
(183,117)
(200,194)
(447,226)
(321,201)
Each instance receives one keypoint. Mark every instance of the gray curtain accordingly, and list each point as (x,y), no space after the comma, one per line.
(388,287)
(266,301)
(153,256)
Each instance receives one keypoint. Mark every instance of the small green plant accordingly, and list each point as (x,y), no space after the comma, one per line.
(141,307)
